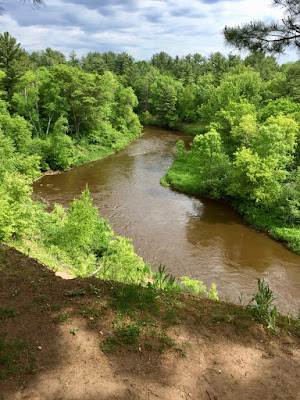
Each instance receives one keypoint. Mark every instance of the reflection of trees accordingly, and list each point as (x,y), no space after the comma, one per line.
(103,178)
(218,226)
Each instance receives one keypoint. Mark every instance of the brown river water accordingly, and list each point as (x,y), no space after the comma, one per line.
(192,236)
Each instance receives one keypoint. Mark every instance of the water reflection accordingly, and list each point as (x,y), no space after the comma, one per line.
(197,237)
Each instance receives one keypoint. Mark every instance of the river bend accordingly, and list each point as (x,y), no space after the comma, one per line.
(197,237)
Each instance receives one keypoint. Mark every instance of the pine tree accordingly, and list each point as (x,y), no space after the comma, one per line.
(274,37)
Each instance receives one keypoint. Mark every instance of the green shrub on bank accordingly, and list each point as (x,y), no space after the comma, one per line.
(15,206)
(260,179)
(290,235)
(78,240)
(262,305)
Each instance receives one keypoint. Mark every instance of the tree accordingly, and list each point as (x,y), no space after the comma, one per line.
(162,61)
(9,50)
(282,105)
(26,99)
(48,58)
(10,54)
(61,149)
(256,179)
(217,65)
(73,59)
(77,93)
(212,161)
(140,76)
(187,104)
(123,118)
(241,83)
(94,63)
(15,212)
(266,66)
(79,230)
(293,81)
(35,3)
(277,137)
(164,94)
(273,37)
(123,61)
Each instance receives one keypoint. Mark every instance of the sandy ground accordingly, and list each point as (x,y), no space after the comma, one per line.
(211,361)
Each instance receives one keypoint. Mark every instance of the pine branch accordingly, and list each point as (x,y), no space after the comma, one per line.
(273,37)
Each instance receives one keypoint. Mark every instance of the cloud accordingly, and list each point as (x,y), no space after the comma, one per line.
(139,27)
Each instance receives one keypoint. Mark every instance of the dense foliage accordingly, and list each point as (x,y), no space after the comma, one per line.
(55,113)
(52,116)
(248,152)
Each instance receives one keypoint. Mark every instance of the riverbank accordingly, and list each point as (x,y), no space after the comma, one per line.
(182,176)
(87,338)
(96,152)
(199,238)
(89,153)
(189,128)
(179,176)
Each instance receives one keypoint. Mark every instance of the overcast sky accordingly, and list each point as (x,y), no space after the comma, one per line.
(139,27)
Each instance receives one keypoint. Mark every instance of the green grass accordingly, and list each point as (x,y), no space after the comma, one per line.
(126,335)
(95,290)
(183,175)
(130,298)
(137,312)
(76,292)
(291,235)
(219,318)
(129,334)
(191,128)
(57,306)
(110,344)
(16,358)
(7,313)
(40,298)
(93,153)
(96,152)
(163,182)
(171,317)
(63,317)
(91,312)
(165,341)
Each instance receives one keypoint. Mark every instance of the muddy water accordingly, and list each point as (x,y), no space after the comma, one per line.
(196,237)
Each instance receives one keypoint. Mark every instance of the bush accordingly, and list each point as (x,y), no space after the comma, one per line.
(263,308)
(61,149)
(15,206)
(122,264)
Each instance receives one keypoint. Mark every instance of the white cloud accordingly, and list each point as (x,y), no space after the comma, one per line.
(139,27)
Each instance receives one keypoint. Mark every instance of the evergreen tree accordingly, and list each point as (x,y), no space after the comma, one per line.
(10,54)
(271,37)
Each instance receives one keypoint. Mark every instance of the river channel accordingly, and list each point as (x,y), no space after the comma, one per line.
(192,236)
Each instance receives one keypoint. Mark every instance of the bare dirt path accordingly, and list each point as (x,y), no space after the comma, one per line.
(78,343)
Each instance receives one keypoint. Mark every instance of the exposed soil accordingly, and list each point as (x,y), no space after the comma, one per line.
(187,347)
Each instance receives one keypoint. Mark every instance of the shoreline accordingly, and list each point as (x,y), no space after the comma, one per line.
(106,152)
(256,227)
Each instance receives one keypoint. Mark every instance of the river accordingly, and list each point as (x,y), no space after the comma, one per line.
(192,236)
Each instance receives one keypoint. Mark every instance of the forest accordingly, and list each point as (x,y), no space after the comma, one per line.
(58,112)
(118,175)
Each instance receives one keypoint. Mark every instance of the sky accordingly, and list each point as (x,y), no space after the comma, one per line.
(138,27)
